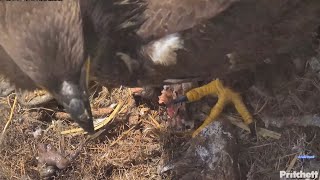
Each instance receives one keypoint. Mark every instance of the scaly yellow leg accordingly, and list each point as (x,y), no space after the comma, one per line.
(225,95)
(242,109)
(215,112)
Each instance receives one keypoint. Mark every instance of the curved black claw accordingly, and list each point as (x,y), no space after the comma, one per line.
(180,99)
(253,131)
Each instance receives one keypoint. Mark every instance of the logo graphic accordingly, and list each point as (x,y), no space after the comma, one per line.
(299,175)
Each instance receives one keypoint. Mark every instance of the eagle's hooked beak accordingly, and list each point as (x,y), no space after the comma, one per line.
(75,99)
(80,111)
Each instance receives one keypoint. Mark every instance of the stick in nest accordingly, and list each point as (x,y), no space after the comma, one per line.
(9,120)
(98,126)
(95,113)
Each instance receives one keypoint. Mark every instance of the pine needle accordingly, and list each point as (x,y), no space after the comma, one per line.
(10,119)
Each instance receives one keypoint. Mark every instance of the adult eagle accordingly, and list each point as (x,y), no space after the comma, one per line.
(193,38)
(42,45)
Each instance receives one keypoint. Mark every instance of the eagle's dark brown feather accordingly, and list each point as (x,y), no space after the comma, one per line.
(43,42)
(13,72)
(109,27)
(260,33)
(170,16)
(255,30)
(42,49)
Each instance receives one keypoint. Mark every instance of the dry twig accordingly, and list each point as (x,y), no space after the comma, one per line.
(9,120)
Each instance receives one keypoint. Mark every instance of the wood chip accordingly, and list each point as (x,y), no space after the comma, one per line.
(78,131)
(292,163)
(260,131)
(95,112)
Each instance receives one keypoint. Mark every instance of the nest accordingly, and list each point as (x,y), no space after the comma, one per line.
(128,148)
(136,144)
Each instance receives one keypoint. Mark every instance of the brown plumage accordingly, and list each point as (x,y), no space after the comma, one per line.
(171,16)
(13,72)
(254,31)
(42,46)
(237,41)
(110,26)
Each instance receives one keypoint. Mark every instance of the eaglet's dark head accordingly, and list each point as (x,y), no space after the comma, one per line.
(49,48)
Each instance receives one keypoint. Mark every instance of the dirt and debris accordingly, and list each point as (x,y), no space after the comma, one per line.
(209,156)
(49,159)
(49,156)
(142,142)
(177,116)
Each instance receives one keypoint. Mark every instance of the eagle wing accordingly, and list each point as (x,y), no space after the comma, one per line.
(36,36)
(8,66)
(251,30)
(170,16)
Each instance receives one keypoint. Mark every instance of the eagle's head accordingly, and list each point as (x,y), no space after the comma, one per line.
(48,46)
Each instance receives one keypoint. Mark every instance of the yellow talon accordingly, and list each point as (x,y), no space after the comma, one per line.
(31,95)
(225,96)
(40,92)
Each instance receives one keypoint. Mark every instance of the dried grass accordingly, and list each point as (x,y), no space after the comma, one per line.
(135,144)
(123,151)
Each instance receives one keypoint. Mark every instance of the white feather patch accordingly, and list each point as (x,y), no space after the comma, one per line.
(163,51)
(67,89)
